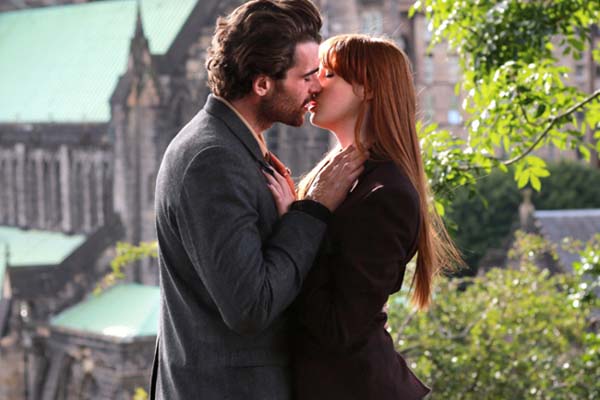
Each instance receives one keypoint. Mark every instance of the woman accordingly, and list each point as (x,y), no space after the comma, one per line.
(341,347)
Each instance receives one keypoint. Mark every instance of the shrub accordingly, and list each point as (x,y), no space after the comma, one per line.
(511,334)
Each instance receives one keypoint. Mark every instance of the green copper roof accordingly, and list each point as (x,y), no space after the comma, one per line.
(62,63)
(31,248)
(123,311)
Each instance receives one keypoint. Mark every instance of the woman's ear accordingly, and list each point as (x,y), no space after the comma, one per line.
(359,90)
(262,85)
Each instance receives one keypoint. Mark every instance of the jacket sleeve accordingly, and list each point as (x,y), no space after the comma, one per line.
(341,300)
(250,281)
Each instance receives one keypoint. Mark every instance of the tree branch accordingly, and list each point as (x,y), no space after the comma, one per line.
(553,121)
(524,113)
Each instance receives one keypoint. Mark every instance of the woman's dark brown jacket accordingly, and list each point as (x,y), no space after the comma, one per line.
(341,347)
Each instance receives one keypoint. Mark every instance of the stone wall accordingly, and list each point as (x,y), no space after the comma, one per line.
(59,188)
(11,378)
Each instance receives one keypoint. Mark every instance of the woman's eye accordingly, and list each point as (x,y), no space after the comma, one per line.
(328,74)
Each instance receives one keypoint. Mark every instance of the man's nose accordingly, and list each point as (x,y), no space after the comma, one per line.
(315,86)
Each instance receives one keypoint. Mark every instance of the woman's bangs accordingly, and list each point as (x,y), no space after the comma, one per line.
(327,57)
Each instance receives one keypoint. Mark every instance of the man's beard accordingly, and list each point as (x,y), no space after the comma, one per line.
(281,107)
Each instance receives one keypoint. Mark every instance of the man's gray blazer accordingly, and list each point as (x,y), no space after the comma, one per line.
(229,266)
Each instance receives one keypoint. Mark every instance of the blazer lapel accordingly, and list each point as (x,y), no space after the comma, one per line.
(220,110)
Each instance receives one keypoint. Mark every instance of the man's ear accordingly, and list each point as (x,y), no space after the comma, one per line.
(262,85)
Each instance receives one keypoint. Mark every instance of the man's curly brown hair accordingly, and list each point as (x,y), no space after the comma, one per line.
(259,37)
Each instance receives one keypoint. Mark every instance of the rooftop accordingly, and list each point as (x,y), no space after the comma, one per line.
(61,64)
(29,248)
(124,311)
(579,224)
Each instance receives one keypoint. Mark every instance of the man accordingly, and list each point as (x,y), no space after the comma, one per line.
(229,264)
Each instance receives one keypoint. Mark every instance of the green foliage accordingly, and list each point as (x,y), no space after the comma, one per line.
(515,90)
(127,254)
(495,32)
(484,214)
(588,269)
(511,334)
(588,293)
(447,165)
(140,394)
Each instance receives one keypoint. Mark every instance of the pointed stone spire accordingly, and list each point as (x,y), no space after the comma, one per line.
(140,67)
(139,27)
(139,51)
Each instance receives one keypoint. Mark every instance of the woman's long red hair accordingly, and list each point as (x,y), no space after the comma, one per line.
(389,120)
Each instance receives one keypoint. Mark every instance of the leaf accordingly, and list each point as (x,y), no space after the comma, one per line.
(592,117)
(578,44)
(540,172)
(140,394)
(414,8)
(439,208)
(522,179)
(495,139)
(585,152)
(506,143)
(535,183)
(535,161)
(540,110)
(596,55)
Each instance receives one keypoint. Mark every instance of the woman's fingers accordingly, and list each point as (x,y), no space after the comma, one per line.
(274,192)
(335,179)
(281,180)
(346,165)
(353,176)
(349,159)
(345,154)
(350,153)
(281,192)
(273,182)
(284,186)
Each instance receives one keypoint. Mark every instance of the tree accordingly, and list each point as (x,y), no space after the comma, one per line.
(512,333)
(516,93)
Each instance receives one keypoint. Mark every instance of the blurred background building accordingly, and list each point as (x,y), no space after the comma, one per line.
(91,93)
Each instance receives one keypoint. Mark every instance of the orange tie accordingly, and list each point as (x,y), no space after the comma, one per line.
(282,170)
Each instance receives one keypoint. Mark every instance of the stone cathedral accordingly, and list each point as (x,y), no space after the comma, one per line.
(83,132)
